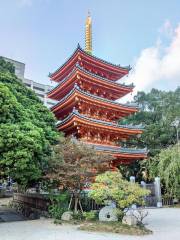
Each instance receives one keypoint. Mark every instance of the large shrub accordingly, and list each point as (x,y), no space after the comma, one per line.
(59,204)
(111,186)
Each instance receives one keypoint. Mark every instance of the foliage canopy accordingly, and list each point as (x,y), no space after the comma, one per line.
(111,186)
(27,129)
(74,164)
(158,110)
(167,165)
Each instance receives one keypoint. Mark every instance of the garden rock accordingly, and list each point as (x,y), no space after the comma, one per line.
(67,216)
(129,220)
(108,214)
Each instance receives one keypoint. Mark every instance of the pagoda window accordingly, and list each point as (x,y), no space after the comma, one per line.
(99,137)
(97,91)
(89,110)
(97,113)
(86,135)
(101,95)
(108,138)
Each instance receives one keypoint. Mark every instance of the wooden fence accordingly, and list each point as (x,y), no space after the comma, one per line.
(33,201)
(167,201)
(41,202)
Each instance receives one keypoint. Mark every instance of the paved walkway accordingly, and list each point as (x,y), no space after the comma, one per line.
(164,222)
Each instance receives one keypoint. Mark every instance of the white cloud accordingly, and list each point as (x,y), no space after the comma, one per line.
(158,66)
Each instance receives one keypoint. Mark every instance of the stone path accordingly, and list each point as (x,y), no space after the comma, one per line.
(164,222)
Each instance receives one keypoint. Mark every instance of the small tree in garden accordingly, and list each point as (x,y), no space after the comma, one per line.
(111,186)
(74,164)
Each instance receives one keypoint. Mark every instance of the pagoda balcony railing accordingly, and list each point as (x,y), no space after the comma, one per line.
(76,87)
(92,74)
(76,113)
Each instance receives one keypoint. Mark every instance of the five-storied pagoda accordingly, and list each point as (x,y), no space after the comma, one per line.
(86,92)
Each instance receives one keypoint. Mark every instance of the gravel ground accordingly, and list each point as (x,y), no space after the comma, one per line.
(164,222)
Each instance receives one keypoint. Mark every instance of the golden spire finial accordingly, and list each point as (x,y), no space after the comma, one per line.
(88,34)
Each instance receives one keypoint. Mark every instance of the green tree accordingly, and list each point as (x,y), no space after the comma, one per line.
(167,165)
(75,164)
(27,129)
(158,110)
(111,186)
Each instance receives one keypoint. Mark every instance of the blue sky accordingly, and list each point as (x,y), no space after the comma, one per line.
(144,34)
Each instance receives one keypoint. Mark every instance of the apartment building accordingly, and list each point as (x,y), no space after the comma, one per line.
(39,88)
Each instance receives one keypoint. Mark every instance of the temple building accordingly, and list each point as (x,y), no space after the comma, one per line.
(86,91)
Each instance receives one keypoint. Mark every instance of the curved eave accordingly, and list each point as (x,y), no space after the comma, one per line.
(116,151)
(74,58)
(83,73)
(77,92)
(75,118)
(123,155)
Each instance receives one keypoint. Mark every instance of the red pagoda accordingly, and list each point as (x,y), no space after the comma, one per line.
(86,92)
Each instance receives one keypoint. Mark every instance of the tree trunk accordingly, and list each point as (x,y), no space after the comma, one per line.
(76,204)
(69,207)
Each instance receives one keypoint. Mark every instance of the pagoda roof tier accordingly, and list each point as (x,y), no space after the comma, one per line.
(123,155)
(117,150)
(79,75)
(75,120)
(66,104)
(91,63)
(120,154)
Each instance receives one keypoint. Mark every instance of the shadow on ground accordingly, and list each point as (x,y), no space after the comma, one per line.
(7,214)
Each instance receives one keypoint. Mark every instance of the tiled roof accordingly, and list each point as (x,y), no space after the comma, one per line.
(77,67)
(113,149)
(84,52)
(76,113)
(120,149)
(76,88)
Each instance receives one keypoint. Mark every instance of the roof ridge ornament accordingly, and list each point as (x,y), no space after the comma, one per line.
(88,34)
